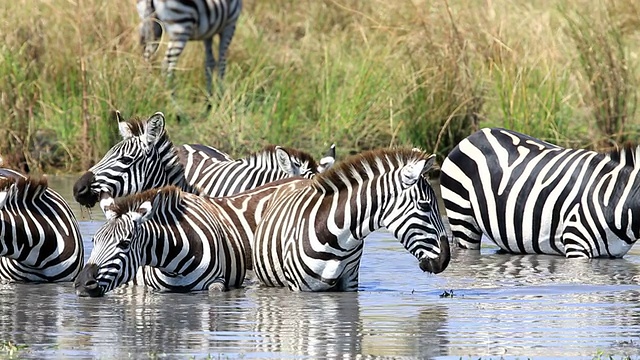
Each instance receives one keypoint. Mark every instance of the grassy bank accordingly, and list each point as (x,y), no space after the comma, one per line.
(362,74)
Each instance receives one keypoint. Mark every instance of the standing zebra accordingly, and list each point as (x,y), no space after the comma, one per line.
(146,159)
(185,20)
(39,236)
(311,236)
(532,197)
(188,242)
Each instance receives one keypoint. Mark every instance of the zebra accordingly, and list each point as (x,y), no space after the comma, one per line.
(311,235)
(532,197)
(185,20)
(184,241)
(146,158)
(39,236)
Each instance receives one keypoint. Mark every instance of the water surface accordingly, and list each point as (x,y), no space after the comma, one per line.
(501,306)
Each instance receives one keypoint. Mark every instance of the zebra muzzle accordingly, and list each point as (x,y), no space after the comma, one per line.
(82,190)
(440,263)
(86,283)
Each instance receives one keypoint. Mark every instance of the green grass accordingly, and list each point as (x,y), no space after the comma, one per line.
(308,74)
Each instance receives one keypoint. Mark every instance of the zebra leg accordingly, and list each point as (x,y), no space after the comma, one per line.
(576,245)
(174,50)
(225,41)
(218,285)
(462,221)
(209,64)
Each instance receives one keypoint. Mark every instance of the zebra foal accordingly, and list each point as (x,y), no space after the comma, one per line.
(185,20)
(39,236)
(311,235)
(532,197)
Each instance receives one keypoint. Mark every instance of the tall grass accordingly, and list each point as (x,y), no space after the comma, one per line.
(362,74)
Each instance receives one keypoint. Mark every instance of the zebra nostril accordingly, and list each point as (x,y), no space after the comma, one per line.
(91,284)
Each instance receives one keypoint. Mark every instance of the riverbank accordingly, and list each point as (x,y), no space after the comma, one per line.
(310,73)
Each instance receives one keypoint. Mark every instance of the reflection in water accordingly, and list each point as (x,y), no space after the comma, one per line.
(503,305)
(520,270)
(541,305)
(323,325)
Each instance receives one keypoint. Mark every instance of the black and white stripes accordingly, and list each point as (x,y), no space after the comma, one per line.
(529,196)
(146,158)
(39,236)
(185,20)
(185,242)
(311,235)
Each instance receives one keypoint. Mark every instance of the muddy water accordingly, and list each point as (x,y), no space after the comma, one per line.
(502,306)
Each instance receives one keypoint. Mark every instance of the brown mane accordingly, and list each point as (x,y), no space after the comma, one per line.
(171,195)
(365,163)
(137,125)
(31,185)
(628,154)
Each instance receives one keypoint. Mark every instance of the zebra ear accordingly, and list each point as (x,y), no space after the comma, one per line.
(6,194)
(143,213)
(410,173)
(328,159)
(431,160)
(284,161)
(155,128)
(123,126)
(106,204)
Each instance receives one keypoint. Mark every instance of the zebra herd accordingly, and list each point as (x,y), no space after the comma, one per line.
(191,218)
(187,218)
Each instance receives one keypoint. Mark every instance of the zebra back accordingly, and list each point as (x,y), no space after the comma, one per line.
(40,239)
(269,164)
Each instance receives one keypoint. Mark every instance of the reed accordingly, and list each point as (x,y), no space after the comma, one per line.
(362,74)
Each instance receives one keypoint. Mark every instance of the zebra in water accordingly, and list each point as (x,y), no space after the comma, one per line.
(185,242)
(532,197)
(311,236)
(146,159)
(39,236)
(185,20)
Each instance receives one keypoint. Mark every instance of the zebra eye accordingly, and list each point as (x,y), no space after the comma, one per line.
(124,244)
(126,160)
(424,204)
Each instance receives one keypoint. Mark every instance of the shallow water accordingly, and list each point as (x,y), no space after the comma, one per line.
(502,305)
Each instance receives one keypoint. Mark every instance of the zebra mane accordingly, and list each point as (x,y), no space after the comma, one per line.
(269,152)
(137,125)
(171,197)
(627,155)
(376,162)
(29,186)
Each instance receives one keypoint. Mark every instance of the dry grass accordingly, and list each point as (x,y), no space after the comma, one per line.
(363,74)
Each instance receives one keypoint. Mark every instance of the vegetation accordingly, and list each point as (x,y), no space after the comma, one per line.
(362,74)
(9,349)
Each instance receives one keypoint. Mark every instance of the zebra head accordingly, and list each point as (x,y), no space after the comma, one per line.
(116,255)
(142,160)
(150,28)
(414,218)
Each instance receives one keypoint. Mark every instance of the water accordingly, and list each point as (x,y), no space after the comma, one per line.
(502,306)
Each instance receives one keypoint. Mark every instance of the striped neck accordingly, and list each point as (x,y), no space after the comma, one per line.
(172,172)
